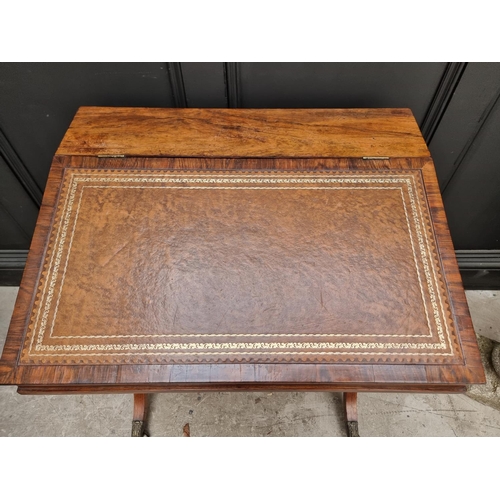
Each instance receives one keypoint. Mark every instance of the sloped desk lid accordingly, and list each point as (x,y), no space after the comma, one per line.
(241,248)
(183,267)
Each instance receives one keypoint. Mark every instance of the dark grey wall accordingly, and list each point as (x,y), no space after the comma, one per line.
(38,101)
(340,85)
(455,104)
(466,147)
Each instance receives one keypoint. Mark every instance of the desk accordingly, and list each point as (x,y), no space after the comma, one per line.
(210,250)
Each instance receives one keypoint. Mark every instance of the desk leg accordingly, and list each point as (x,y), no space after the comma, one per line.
(351,412)
(139,420)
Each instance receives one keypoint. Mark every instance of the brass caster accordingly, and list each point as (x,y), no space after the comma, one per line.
(138,429)
(352,429)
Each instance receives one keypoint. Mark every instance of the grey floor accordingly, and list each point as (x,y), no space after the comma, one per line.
(264,414)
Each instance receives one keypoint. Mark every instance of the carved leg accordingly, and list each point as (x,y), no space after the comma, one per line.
(351,412)
(139,420)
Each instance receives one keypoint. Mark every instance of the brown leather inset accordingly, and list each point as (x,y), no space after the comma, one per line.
(182,267)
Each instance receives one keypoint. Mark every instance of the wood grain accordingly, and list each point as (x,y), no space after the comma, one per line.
(218,387)
(351,406)
(244,164)
(458,301)
(243,133)
(139,412)
(32,271)
(317,134)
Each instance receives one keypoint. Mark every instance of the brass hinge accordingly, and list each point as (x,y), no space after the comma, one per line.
(375,157)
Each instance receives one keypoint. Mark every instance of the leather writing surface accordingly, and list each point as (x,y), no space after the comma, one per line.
(182,267)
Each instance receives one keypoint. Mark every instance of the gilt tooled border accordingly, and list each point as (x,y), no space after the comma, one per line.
(214,181)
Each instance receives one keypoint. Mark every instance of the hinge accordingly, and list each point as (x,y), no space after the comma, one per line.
(375,158)
(110,156)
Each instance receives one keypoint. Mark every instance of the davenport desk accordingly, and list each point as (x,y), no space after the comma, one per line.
(238,249)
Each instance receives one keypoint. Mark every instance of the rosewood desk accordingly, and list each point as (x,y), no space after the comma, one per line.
(238,249)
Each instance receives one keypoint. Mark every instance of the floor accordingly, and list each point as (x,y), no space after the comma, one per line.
(476,413)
